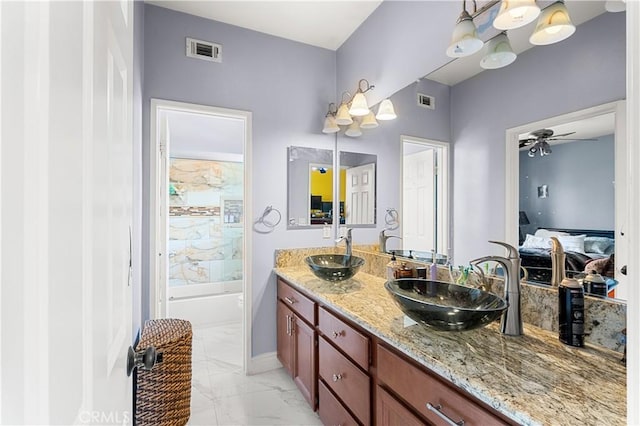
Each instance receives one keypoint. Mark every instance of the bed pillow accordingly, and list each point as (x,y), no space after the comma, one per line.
(572,242)
(546,233)
(534,242)
(599,245)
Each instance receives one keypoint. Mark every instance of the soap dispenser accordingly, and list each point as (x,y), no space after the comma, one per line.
(433,271)
(392,266)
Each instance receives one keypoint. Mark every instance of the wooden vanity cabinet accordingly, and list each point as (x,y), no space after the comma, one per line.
(297,339)
(360,379)
(430,397)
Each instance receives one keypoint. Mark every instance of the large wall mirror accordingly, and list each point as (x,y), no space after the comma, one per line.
(568,181)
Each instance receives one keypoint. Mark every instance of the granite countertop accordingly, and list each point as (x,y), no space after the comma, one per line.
(533,379)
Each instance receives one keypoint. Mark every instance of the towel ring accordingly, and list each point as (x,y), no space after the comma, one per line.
(391,219)
(268,224)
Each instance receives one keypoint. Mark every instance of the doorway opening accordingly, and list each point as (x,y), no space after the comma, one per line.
(200,249)
(425,195)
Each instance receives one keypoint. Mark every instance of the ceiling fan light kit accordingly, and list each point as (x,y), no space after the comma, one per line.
(355,113)
(554,25)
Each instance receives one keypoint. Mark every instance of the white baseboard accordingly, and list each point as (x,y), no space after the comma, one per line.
(263,363)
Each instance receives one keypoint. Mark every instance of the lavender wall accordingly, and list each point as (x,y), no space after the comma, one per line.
(287,87)
(399,42)
(585,70)
(580,177)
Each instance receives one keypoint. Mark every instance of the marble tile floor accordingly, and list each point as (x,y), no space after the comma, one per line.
(222,395)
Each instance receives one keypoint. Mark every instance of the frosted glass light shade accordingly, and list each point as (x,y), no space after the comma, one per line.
(343,117)
(354,130)
(464,41)
(554,25)
(369,121)
(615,6)
(330,125)
(359,105)
(499,53)
(516,14)
(386,111)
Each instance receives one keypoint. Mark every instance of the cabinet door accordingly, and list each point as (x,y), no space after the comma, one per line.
(390,412)
(304,360)
(285,347)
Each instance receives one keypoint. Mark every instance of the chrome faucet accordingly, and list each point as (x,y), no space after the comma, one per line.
(511,323)
(347,240)
(383,240)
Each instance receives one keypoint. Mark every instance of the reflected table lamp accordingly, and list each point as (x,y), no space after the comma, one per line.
(522,220)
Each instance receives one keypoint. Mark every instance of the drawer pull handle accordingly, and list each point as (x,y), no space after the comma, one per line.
(288,325)
(337,334)
(290,300)
(437,409)
(337,377)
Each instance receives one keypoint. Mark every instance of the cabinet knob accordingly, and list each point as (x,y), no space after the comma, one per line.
(437,409)
(337,377)
(290,300)
(337,334)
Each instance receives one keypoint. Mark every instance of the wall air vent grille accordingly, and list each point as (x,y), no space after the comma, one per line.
(204,50)
(426,101)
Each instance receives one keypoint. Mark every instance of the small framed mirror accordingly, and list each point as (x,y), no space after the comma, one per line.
(310,187)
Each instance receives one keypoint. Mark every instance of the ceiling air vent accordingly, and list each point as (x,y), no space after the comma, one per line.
(204,50)
(426,101)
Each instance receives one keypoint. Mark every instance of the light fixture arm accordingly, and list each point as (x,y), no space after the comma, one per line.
(333,110)
(367,86)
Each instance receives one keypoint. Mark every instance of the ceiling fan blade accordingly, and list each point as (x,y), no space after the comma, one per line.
(560,139)
(564,134)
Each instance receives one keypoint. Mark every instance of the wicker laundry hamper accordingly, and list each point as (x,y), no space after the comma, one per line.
(163,394)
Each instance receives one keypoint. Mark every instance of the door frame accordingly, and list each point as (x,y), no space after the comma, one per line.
(159,205)
(512,172)
(443,216)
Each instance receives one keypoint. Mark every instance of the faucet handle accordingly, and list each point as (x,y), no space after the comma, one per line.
(512,251)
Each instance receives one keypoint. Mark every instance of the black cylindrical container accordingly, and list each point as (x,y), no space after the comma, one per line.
(571,312)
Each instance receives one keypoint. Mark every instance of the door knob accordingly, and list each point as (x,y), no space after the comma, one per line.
(145,359)
(623,270)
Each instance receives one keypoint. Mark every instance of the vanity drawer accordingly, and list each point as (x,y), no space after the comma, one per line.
(330,410)
(297,302)
(345,337)
(417,388)
(345,379)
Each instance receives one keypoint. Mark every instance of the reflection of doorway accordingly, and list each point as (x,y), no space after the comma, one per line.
(199,257)
(360,199)
(424,195)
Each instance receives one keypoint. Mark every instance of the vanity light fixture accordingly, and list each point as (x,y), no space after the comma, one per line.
(516,14)
(554,25)
(464,41)
(499,53)
(355,113)
(330,125)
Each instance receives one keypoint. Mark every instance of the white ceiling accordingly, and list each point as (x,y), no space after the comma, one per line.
(322,23)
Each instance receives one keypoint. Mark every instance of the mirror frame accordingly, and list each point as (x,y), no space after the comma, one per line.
(512,169)
(289,180)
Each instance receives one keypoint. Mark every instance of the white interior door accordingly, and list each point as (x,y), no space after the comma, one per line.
(66,215)
(418,201)
(359,205)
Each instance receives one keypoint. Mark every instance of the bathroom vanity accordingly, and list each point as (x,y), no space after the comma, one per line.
(358,360)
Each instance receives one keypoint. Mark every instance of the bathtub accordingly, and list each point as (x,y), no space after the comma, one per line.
(216,309)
